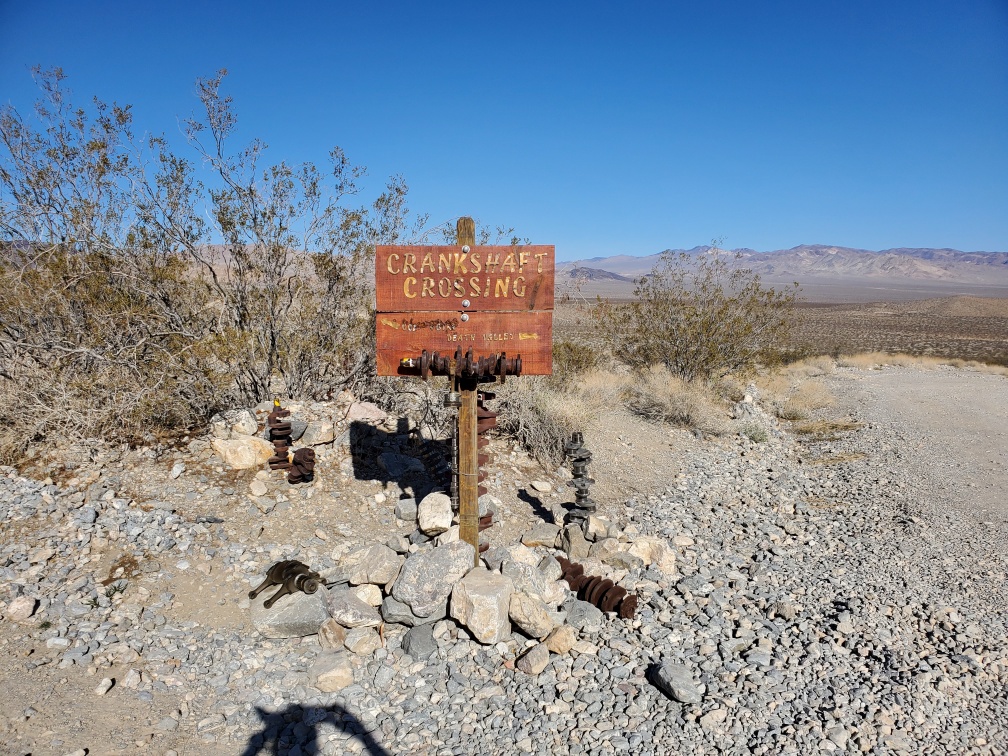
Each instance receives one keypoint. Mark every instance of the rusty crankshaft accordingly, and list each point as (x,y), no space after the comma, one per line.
(292,576)
(598,591)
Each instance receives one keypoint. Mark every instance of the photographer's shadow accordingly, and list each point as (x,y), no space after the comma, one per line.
(274,741)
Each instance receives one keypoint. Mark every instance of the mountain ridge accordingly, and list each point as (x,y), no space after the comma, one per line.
(823,260)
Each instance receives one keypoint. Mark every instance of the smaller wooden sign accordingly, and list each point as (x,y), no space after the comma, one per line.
(407,334)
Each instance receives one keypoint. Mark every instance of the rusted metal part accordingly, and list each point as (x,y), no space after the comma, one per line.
(279,427)
(597,590)
(580,456)
(486,420)
(302,469)
(292,576)
(463,366)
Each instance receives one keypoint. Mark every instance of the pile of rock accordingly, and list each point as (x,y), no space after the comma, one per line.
(426,587)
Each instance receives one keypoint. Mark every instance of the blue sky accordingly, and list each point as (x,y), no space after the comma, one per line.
(602,128)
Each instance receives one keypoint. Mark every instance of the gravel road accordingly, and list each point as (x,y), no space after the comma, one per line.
(956,426)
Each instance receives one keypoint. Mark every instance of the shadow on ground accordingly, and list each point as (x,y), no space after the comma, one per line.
(399,457)
(297,730)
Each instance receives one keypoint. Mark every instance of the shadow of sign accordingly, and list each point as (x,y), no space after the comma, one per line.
(298,729)
(400,457)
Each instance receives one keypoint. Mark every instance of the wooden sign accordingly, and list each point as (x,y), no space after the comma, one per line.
(491,299)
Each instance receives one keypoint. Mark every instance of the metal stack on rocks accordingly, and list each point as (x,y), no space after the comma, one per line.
(580,457)
(302,466)
(599,591)
(279,425)
(486,420)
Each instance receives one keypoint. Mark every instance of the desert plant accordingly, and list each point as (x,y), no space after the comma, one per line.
(102,327)
(660,396)
(700,317)
(754,432)
(140,298)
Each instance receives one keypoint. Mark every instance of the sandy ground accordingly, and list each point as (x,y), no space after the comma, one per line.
(954,425)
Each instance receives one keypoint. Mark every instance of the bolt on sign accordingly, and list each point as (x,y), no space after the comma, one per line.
(494,300)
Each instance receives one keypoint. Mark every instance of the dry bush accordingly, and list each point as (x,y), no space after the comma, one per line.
(540,417)
(122,319)
(699,317)
(660,396)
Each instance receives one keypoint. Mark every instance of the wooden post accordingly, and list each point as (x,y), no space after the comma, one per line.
(468,470)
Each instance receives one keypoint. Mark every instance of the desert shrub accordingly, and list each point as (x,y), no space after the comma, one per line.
(660,396)
(754,432)
(140,298)
(699,317)
(540,417)
(573,358)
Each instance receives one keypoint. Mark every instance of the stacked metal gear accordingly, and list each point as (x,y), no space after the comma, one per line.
(486,420)
(599,591)
(580,457)
(302,467)
(292,576)
(466,365)
(279,425)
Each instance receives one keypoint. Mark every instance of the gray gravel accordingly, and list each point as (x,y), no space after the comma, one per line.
(847,607)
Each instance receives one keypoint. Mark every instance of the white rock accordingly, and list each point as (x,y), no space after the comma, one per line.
(104,687)
(427,577)
(450,535)
(369,594)
(318,432)
(598,527)
(655,551)
(243,453)
(350,611)
(257,488)
(542,486)
(177,469)
(21,608)
(363,641)
(332,671)
(375,563)
(434,515)
(480,601)
(531,615)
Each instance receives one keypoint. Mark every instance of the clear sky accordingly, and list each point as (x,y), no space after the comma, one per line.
(603,128)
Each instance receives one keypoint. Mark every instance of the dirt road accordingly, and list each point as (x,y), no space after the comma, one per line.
(951,425)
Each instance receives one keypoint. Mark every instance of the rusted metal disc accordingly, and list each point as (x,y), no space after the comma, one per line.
(596,595)
(590,582)
(612,598)
(628,607)
(576,582)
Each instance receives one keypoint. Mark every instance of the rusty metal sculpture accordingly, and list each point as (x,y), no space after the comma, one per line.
(580,456)
(599,591)
(292,576)
(302,468)
(279,425)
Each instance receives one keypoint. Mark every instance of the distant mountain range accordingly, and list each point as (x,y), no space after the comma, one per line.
(823,270)
(922,264)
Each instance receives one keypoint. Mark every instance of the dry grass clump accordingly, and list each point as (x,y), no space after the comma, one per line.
(876,360)
(541,414)
(838,459)
(791,392)
(540,417)
(658,395)
(826,430)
